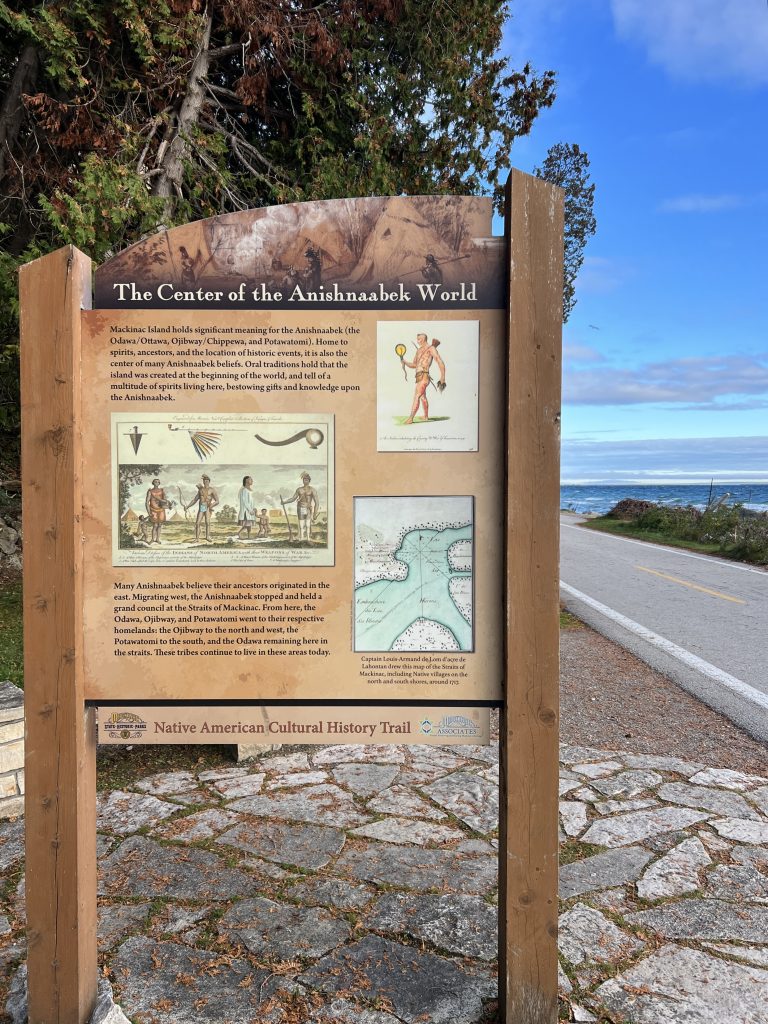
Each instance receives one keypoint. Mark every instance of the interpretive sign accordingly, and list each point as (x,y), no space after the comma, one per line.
(295,477)
(312,392)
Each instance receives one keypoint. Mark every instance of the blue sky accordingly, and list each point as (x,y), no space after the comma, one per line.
(669,339)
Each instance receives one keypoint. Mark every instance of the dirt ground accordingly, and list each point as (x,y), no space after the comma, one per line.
(612,700)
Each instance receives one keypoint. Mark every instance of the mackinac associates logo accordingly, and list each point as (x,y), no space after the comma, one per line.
(457,725)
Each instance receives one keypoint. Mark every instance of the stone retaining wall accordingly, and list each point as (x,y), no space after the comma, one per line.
(11,750)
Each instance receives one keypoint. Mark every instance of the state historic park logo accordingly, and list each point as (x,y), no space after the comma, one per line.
(124,725)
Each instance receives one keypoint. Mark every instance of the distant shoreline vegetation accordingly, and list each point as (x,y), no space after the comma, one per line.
(721,527)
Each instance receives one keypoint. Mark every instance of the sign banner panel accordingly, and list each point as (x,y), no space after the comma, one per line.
(284,724)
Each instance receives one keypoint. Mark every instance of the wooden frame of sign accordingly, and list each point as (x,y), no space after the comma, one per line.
(58,434)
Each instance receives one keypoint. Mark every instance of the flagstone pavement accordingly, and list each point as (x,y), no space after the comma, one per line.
(358,884)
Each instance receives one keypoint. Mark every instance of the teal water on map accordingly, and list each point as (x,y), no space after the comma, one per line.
(386,608)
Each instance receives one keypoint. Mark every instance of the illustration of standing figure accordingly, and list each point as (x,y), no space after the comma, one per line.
(314,267)
(207,499)
(307,506)
(247,514)
(422,361)
(431,272)
(156,503)
(264,530)
(189,267)
(141,529)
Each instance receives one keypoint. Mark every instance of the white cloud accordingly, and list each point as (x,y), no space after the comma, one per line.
(703,204)
(700,39)
(725,383)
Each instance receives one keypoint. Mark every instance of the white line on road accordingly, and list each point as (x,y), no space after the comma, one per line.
(693,661)
(669,550)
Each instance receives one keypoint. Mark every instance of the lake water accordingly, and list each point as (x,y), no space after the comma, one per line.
(601,498)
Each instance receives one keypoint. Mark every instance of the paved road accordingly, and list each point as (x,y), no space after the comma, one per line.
(701,620)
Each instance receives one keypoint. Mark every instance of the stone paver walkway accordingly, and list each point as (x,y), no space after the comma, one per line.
(358,884)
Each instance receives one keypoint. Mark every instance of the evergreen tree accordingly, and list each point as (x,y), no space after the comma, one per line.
(119,117)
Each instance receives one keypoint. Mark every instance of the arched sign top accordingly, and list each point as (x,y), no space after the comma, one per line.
(397,252)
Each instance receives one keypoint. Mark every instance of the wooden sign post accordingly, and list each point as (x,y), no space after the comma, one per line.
(295,475)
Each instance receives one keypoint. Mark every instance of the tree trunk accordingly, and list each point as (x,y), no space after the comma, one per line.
(168,183)
(12,110)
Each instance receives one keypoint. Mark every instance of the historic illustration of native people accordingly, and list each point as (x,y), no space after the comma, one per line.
(417,410)
(228,489)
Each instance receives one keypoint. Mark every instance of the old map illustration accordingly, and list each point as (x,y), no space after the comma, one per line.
(413,573)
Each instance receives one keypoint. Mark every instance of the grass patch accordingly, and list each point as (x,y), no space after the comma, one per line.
(568,621)
(573,849)
(626,528)
(12,647)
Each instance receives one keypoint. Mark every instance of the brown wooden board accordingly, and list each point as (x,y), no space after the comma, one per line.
(60,750)
(528,845)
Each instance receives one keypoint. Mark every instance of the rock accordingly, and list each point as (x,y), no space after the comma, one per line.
(706,919)
(194,827)
(759,798)
(365,779)
(621,806)
(465,925)
(343,753)
(145,868)
(628,784)
(239,786)
(676,984)
(11,843)
(292,780)
(123,813)
(563,981)
(638,825)
(118,920)
(405,831)
(738,884)
(676,873)
(322,805)
(282,931)
(173,920)
(602,871)
(573,814)
(406,868)
(167,783)
(217,774)
(576,755)
(757,855)
(418,986)
(5,925)
(186,985)
(586,936)
(489,754)
(663,764)
(566,785)
(597,770)
(403,802)
(742,831)
(757,955)
(282,763)
(727,779)
(104,1012)
(726,804)
(473,800)
(341,1011)
(302,846)
(331,892)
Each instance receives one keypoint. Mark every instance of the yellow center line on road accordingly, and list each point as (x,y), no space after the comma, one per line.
(693,586)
